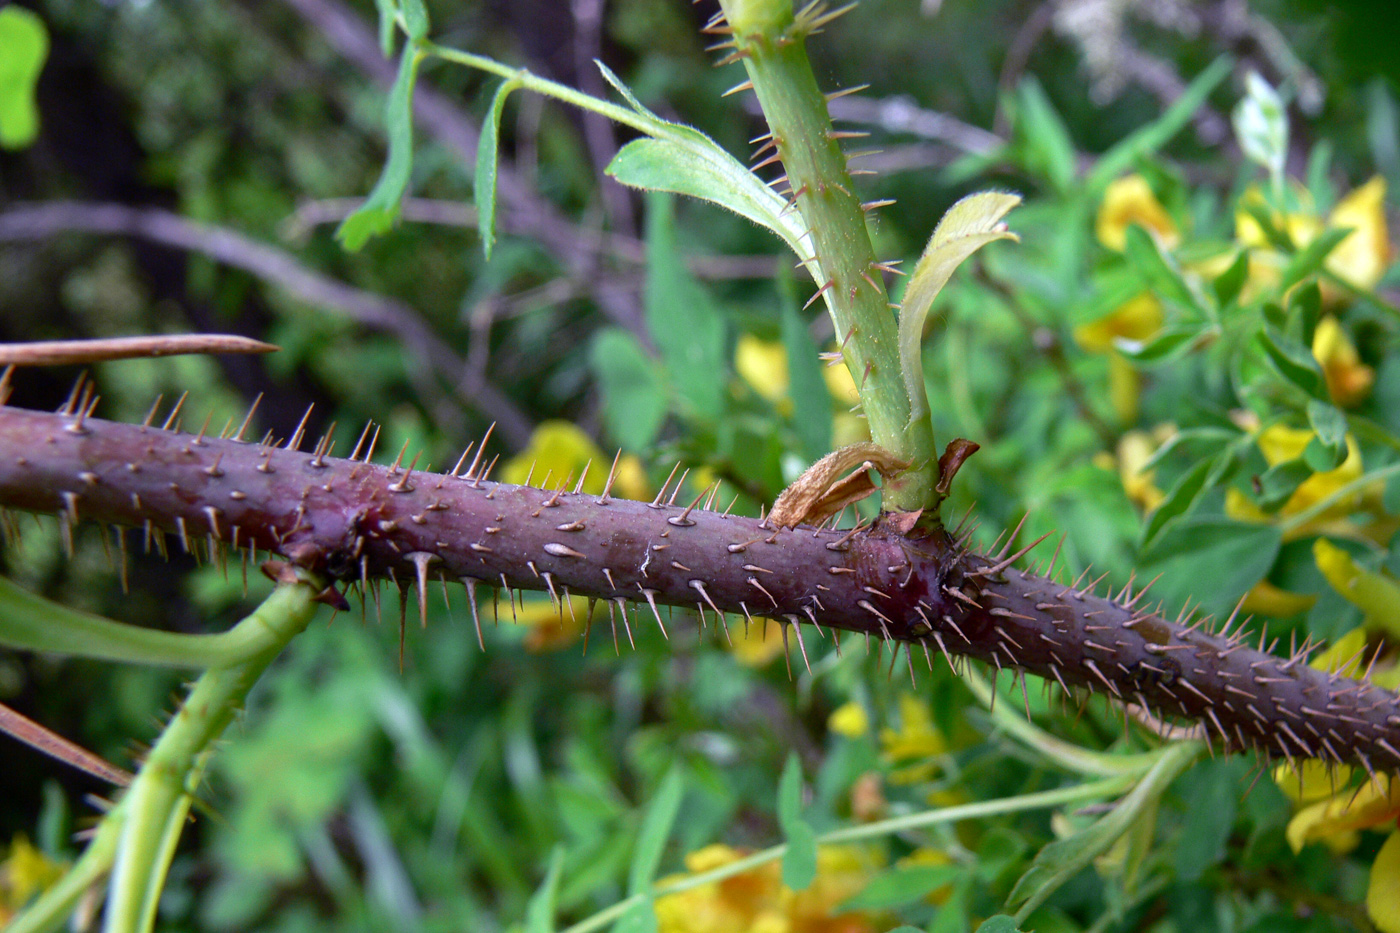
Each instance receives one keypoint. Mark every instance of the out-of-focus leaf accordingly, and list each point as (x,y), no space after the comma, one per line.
(1159,270)
(1294,362)
(683,320)
(1147,140)
(1230,283)
(415,18)
(1179,500)
(1042,134)
(1167,344)
(635,391)
(24,46)
(800,859)
(1310,259)
(811,402)
(381,208)
(900,886)
(539,913)
(388,12)
(1211,561)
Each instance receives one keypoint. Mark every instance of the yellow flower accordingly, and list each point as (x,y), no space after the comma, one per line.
(1128,201)
(1349,380)
(24,873)
(1135,448)
(849,719)
(756,644)
(1362,257)
(1332,812)
(763,364)
(558,453)
(552,626)
(757,901)
(1279,443)
(1137,319)
(917,740)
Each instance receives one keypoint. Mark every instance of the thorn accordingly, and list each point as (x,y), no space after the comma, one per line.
(421,560)
(295,442)
(656,503)
(174,412)
(741,86)
(480,449)
(612,476)
(469,584)
(834,95)
(247,419)
(651,601)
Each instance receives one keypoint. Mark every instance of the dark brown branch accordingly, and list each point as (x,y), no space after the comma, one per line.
(356,521)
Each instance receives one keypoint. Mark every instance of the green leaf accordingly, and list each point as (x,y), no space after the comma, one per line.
(682,319)
(625,91)
(1179,500)
(688,162)
(1159,270)
(1048,149)
(539,912)
(415,18)
(1215,797)
(1147,140)
(634,388)
(1294,362)
(1330,424)
(1064,858)
(900,886)
(25,41)
(1210,560)
(1230,283)
(381,208)
(800,859)
(1304,311)
(1167,344)
(970,224)
(811,402)
(487,164)
(1001,923)
(655,830)
(1278,483)
(1310,259)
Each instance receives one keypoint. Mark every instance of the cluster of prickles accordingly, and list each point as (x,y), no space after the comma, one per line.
(357,524)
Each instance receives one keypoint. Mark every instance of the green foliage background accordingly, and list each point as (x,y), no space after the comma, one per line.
(358,795)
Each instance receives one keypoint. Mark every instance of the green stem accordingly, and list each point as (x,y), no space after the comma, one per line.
(136,839)
(1040,800)
(30,622)
(771,42)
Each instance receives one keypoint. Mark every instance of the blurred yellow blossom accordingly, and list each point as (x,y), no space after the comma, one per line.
(1349,380)
(1360,259)
(1129,200)
(1136,319)
(552,625)
(1135,448)
(754,645)
(1334,813)
(916,741)
(757,901)
(24,873)
(849,719)
(763,364)
(559,451)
